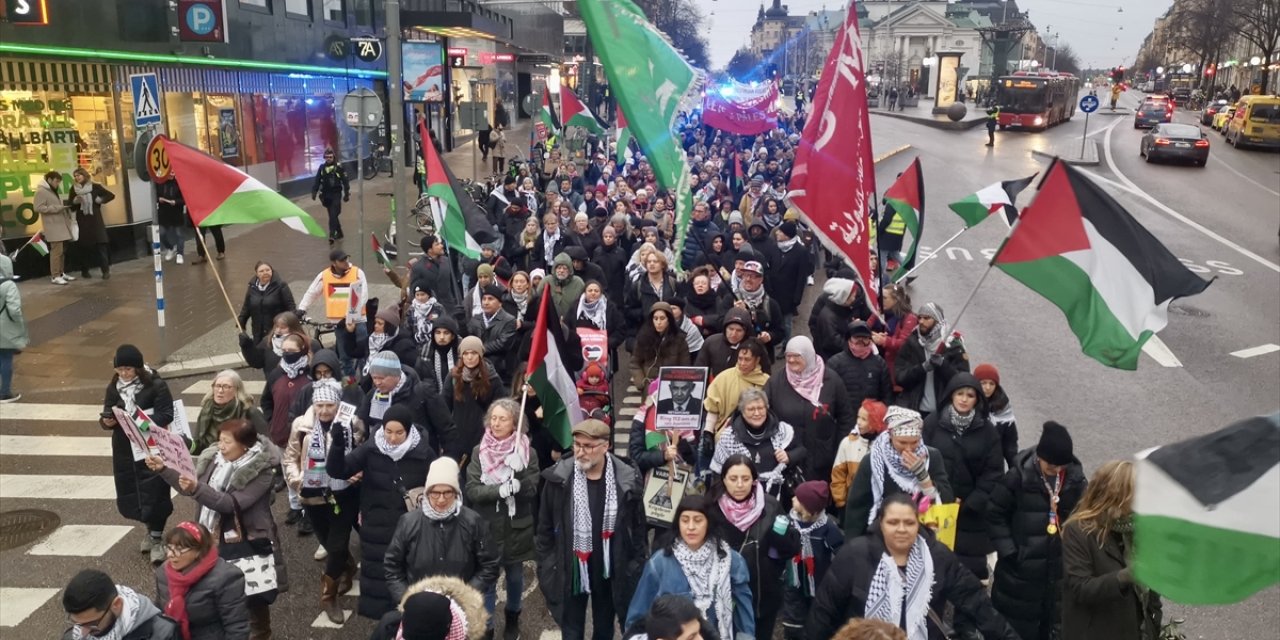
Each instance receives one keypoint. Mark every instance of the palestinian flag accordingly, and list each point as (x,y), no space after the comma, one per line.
(460,221)
(548,112)
(624,138)
(575,114)
(1205,526)
(383,259)
(1079,248)
(906,198)
(550,379)
(991,199)
(144,424)
(37,242)
(218,193)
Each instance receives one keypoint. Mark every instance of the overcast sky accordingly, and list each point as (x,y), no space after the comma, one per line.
(1101,35)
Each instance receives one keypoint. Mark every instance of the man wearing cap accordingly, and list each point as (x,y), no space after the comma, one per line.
(496,329)
(720,351)
(749,295)
(864,373)
(1025,513)
(443,538)
(591,537)
(794,266)
(392,385)
(345,290)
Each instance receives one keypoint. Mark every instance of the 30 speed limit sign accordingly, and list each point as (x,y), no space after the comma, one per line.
(158,160)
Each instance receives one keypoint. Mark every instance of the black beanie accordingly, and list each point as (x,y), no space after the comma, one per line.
(788,229)
(128,355)
(426,617)
(399,413)
(1055,445)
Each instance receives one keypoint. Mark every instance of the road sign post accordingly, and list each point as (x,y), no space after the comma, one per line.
(1088,105)
(146,99)
(362,111)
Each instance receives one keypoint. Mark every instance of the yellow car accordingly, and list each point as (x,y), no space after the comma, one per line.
(1220,119)
(1256,123)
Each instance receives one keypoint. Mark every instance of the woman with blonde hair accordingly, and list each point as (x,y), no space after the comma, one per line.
(1100,597)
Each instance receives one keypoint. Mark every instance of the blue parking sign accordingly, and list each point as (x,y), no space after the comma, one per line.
(146,99)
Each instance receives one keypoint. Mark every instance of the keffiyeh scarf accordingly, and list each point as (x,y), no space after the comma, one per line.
(753,299)
(129,393)
(707,571)
(883,457)
(549,244)
(420,316)
(891,593)
(294,370)
(397,451)
(377,340)
(220,479)
(595,311)
(521,300)
(126,622)
(803,564)
(437,516)
(583,545)
(957,420)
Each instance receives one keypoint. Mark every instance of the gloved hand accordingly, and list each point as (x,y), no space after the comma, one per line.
(920,469)
(245,341)
(936,360)
(301,313)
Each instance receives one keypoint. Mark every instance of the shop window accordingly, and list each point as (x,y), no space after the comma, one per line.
(298,8)
(262,4)
(363,10)
(187,120)
(289,125)
(223,125)
(332,11)
(257,136)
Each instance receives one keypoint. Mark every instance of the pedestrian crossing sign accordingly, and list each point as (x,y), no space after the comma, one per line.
(146,99)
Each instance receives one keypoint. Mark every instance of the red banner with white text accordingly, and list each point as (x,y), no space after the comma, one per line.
(741,108)
(833,183)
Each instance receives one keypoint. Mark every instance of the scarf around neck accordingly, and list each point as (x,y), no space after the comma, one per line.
(294,370)
(708,572)
(804,563)
(437,516)
(420,315)
(957,420)
(85,191)
(129,393)
(884,457)
(180,583)
(135,611)
(808,383)
(743,514)
(397,451)
(893,597)
(787,245)
(583,545)
(753,299)
(595,311)
(378,340)
(220,480)
(501,460)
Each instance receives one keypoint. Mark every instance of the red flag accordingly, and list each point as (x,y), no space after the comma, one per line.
(835,149)
(746,111)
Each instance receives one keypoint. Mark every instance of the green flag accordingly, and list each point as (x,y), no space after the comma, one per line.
(650,79)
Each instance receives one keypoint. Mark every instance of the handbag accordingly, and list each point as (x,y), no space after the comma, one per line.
(943,628)
(412,497)
(255,558)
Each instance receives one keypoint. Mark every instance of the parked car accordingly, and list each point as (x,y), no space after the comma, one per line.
(1181,95)
(1169,141)
(1212,109)
(1256,122)
(1221,118)
(1153,111)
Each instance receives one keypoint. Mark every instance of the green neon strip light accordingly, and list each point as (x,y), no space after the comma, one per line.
(191,60)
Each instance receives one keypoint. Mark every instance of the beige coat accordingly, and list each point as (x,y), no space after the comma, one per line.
(55,218)
(294,451)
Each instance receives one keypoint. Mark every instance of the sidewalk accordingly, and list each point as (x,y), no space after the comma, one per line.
(923,114)
(460,159)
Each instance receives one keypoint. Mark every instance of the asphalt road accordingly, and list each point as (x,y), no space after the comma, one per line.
(1219,219)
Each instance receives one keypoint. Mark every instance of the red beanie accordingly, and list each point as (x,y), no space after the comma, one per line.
(875,415)
(986,371)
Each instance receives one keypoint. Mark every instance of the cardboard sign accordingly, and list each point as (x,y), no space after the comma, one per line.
(180,425)
(137,440)
(663,492)
(595,346)
(346,412)
(680,393)
(173,450)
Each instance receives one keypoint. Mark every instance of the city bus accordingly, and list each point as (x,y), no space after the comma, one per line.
(1036,100)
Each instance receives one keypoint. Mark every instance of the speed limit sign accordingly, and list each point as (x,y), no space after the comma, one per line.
(158,160)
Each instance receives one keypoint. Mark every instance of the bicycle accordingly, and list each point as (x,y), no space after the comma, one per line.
(321,329)
(377,161)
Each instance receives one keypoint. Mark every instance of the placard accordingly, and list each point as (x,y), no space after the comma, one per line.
(173,450)
(680,394)
(595,346)
(137,440)
(663,493)
(180,426)
(346,411)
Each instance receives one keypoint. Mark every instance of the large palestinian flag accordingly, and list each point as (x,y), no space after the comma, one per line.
(548,113)
(991,199)
(217,193)
(575,114)
(624,138)
(1079,248)
(460,221)
(906,198)
(1206,529)
(550,379)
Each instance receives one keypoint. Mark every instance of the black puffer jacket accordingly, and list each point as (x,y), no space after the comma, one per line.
(458,546)
(381,505)
(613,261)
(215,604)
(974,464)
(828,322)
(863,378)
(910,374)
(1030,565)
(788,276)
(820,427)
(261,306)
(717,354)
(767,554)
(468,412)
(140,494)
(843,593)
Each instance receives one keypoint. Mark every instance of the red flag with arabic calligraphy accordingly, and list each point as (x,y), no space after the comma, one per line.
(835,149)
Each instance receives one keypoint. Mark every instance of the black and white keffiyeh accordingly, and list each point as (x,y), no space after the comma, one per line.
(884,457)
(396,451)
(707,571)
(891,592)
(128,393)
(583,545)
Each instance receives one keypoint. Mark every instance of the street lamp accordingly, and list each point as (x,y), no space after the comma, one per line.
(1255,61)
(1186,68)
(1160,70)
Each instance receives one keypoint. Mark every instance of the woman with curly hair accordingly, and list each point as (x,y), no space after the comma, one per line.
(472,386)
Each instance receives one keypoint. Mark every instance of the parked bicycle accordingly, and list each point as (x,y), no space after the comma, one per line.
(376,162)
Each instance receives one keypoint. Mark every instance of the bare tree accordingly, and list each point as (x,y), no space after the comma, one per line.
(1203,26)
(744,66)
(1260,26)
(681,20)
(1066,60)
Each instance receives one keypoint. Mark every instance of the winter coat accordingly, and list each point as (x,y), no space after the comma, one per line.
(215,604)
(1099,599)
(858,505)
(1004,421)
(843,593)
(13,325)
(717,354)
(469,600)
(278,395)
(663,575)
(457,546)
(468,413)
(432,366)
(707,307)
(250,488)
(893,343)
(431,414)
(93,228)
(767,318)
(671,350)
(170,215)
(438,276)
(404,395)
(382,490)
(539,257)
(974,464)
(863,378)
(55,218)
(511,538)
(787,277)
(351,394)
(767,554)
(645,457)
(613,261)
(697,240)
(640,298)
(499,338)
(615,328)
(140,494)
(263,305)
(819,428)
(1029,571)
(827,324)
(909,372)
(553,540)
(295,458)
(401,344)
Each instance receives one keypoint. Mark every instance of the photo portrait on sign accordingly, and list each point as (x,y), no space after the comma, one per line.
(680,393)
(662,492)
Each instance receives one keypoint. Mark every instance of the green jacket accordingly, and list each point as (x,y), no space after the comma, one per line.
(13,327)
(511,538)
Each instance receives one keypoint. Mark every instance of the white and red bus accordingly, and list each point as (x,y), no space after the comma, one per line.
(1036,100)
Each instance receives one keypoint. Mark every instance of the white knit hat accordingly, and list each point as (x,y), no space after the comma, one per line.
(444,470)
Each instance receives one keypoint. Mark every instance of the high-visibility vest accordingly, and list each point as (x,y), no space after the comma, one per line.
(897,226)
(338,292)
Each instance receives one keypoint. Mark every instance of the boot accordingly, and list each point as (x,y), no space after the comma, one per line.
(329,600)
(511,630)
(348,575)
(259,620)
(304,525)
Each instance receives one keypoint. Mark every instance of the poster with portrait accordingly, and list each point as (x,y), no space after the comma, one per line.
(423,71)
(663,492)
(228,133)
(680,394)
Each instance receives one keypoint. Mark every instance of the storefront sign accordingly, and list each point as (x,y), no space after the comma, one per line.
(491,58)
(458,51)
(27,12)
(336,48)
(202,21)
(367,49)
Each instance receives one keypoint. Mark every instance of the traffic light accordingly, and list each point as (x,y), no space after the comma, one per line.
(1117,74)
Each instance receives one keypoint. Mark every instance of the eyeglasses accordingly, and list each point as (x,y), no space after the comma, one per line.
(175,550)
(579,446)
(94,628)
(224,387)
(442,494)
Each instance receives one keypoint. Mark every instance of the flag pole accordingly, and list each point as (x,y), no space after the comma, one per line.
(932,255)
(27,244)
(991,264)
(235,317)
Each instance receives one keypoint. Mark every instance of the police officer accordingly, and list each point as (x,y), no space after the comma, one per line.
(331,182)
(993,119)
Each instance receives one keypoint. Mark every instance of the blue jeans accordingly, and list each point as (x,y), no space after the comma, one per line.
(347,342)
(171,238)
(6,371)
(515,591)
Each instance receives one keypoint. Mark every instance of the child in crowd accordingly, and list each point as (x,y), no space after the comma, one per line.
(854,447)
(593,389)
(820,539)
